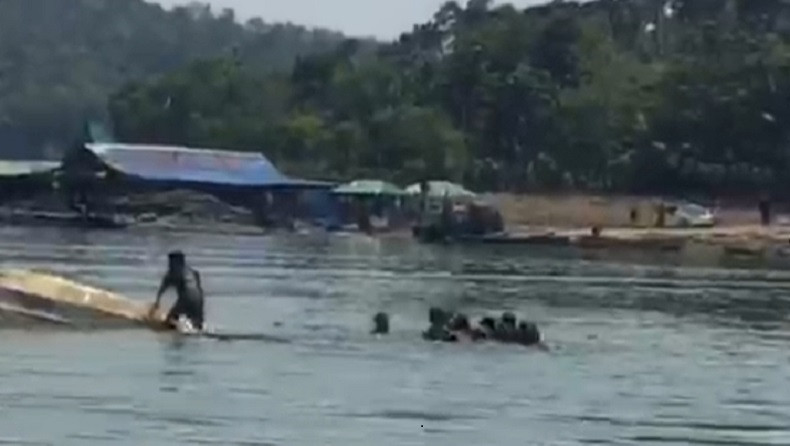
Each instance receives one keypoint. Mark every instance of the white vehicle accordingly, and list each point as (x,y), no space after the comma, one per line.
(690,215)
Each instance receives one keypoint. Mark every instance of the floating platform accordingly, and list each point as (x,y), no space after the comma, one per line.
(661,243)
(745,250)
(521,240)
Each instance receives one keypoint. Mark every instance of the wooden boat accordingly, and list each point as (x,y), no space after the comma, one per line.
(744,250)
(33,297)
(647,243)
(47,298)
(520,240)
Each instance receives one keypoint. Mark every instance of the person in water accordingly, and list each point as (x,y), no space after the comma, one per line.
(486,329)
(528,334)
(381,324)
(459,329)
(437,331)
(186,282)
(506,327)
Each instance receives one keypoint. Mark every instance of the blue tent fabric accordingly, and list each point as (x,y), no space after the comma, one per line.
(188,165)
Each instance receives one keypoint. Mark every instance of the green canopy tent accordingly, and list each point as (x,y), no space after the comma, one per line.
(369,188)
(362,199)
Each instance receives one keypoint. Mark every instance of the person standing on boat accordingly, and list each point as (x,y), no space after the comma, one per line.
(186,282)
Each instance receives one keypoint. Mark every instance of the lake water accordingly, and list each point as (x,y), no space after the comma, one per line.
(653,354)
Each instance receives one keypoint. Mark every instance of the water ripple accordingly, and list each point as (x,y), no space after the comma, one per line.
(658,353)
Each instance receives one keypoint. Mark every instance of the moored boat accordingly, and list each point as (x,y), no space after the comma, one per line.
(658,243)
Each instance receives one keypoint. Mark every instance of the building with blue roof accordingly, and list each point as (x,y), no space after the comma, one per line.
(94,171)
(158,166)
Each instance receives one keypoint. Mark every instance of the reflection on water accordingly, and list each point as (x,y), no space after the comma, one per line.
(648,353)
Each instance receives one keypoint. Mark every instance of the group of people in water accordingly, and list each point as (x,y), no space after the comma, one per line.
(446,326)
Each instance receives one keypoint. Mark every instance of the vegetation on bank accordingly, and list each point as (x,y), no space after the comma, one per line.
(628,95)
(607,95)
(61,59)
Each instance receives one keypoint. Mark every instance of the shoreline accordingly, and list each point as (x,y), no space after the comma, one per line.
(584,210)
(738,229)
(723,247)
(774,234)
(540,219)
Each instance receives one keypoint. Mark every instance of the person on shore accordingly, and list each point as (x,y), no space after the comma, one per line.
(425,190)
(189,289)
(363,218)
(764,206)
(447,218)
(661,214)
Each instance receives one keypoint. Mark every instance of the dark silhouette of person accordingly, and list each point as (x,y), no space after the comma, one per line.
(189,289)
(381,323)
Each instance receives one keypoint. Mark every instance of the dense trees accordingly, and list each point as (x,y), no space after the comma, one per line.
(632,95)
(59,59)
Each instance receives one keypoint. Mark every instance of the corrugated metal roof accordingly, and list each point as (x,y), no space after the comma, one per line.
(20,168)
(183,164)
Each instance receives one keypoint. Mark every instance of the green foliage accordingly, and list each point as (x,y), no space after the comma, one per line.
(630,95)
(59,60)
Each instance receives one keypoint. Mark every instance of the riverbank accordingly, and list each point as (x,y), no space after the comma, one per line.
(529,219)
(587,210)
(567,220)
(574,215)
(716,235)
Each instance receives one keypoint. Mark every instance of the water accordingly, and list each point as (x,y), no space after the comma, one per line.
(648,355)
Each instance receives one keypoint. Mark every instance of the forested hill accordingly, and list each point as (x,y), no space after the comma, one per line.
(639,95)
(60,59)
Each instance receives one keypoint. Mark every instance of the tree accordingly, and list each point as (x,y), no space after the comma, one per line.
(60,60)
(631,95)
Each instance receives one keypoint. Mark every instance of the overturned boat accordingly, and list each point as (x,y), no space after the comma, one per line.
(29,298)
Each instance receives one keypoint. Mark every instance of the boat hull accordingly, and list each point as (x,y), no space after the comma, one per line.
(29,297)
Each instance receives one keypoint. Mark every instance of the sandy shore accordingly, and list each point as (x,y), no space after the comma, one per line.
(584,211)
(738,231)
(573,216)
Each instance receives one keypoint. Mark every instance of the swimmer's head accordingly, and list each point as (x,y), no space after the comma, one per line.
(437,316)
(488,322)
(509,318)
(176,259)
(381,323)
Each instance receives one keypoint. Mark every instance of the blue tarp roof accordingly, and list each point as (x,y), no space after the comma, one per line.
(183,164)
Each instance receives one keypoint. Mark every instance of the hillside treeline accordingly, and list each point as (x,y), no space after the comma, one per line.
(61,59)
(628,95)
